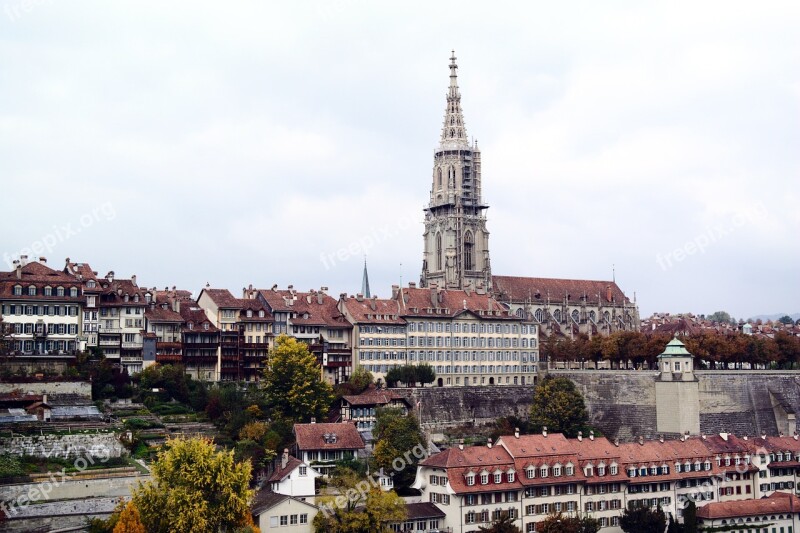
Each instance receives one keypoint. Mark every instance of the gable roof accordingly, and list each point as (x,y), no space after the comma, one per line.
(373,396)
(519,289)
(266,500)
(778,502)
(221,297)
(281,473)
(445,303)
(312,436)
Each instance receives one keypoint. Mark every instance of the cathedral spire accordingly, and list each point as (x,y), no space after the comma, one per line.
(454,132)
(365,282)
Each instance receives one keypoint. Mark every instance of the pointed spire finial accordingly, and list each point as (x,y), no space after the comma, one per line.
(454,133)
(365,281)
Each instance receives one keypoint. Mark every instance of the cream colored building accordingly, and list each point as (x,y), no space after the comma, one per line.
(282,513)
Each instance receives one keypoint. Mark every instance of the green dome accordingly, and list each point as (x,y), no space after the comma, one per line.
(675,348)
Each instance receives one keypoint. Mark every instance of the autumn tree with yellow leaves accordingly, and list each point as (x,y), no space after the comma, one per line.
(194,488)
(293,382)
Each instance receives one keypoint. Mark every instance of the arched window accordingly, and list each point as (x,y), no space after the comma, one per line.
(521,313)
(557,315)
(469,245)
(539,315)
(592,316)
(439,178)
(438,251)
(575,315)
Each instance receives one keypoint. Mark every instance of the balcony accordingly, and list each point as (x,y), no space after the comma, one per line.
(131,359)
(255,345)
(168,345)
(136,345)
(102,330)
(168,358)
(201,345)
(109,342)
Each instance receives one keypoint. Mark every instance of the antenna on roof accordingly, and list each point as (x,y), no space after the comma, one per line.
(613,273)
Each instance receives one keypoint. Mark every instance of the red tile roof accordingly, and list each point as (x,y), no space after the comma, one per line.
(374,396)
(222,297)
(517,289)
(281,473)
(40,276)
(373,310)
(312,436)
(778,502)
(449,303)
(158,314)
(196,316)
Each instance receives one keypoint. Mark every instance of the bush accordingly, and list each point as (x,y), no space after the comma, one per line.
(140,423)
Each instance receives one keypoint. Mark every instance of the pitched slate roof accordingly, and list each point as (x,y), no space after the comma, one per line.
(373,310)
(416,511)
(281,473)
(445,303)
(222,297)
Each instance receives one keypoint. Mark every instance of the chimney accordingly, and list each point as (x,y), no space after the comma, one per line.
(320,298)
(544,431)
(412,285)
(285,458)
(313,420)
(580,436)
(516,433)
(489,443)
(359,297)
(23,259)
(608,292)
(43,260)
(110,276)
(616,442)
(795,437)
(661,439)
(373,304)
(641,440)
(764,436)
(308,298)
(44,398)
(395,291)
(133,279)
(461,444)
(591,434)
(724,436)
(18,269)
(323,289)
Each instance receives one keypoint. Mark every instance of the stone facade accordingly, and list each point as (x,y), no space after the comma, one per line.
(456,240)
(64,446)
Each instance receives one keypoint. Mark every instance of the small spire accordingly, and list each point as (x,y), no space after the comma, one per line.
(365,281)
(454,132)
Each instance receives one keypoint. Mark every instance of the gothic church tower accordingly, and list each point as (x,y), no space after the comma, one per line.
(456,252)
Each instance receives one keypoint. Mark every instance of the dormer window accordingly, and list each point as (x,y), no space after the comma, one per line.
(126,298)
(190,325)
(59,291)
(557,470)
(653,470)
(632,471)
(17,290)
(205,326)
(498,477)
(73,292)
(484,478)
(510,476)
(91,284)
(601,469)
(530,472)
(678,468)
(614,470)
(707,465)
(664,470)
(261,313)
(471,479)
(48,291)
(569,469)
(687,466)
(32,290)
(543,471)
(249,313)
(642,471)
(727,461)
(588,470)
(135,297)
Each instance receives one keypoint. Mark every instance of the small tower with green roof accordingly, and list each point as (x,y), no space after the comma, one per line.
(677,391)
(676,363)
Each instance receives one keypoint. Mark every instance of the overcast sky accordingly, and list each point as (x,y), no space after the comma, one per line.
(261,143)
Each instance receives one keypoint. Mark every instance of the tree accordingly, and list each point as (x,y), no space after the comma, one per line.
(129,521)
(504,524)
(397,435)
(359,507)
(360,379)
(171,378)
(561,523)
(690,517)
(786,320)
(642,520)
(559,406)
(411,375)
(203,489)
(293,382)
(720,316)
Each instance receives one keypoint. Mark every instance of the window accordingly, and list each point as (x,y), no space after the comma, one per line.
(304,518)
(293,519)
(484,479)
(569,470)
(530,472)
(32,290)
(557,470)
(284,520)
(498,478)
(510,477)
(17,290)
(303,470)
(543,471)
(613,469)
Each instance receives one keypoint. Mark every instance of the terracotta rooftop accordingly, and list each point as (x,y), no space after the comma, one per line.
(373,310)
(281,473)
(517,289)
(449,303)
(340,436)
(778,502)
(222,297)
(373,396)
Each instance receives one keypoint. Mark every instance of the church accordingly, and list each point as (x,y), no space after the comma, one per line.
(456,247)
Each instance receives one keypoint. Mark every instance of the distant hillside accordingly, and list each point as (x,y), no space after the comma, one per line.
(776,316)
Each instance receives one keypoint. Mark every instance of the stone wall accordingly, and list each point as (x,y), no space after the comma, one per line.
(622,403)
(443,407)
(15,496)
(83,388)
(64,446)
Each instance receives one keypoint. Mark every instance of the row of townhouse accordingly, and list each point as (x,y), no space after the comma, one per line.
(467,336)
(531,476)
